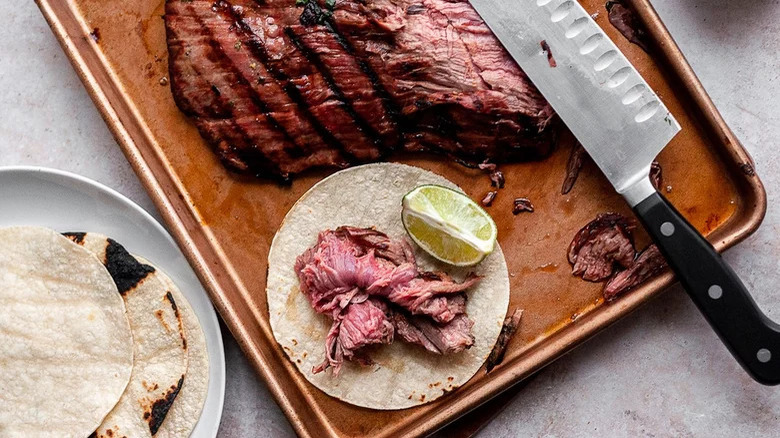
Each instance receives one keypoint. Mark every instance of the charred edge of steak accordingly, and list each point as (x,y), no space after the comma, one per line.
(573,167)
(511,323)
(626,22)
(649,263)
(345,104)
(600,245)
(312,14)
(257,48)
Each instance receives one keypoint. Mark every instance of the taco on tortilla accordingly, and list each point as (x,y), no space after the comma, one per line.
(366,317)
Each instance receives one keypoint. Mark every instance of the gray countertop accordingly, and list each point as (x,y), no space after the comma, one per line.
(659,372)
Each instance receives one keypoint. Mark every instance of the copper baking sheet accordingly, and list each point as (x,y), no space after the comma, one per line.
(225,223)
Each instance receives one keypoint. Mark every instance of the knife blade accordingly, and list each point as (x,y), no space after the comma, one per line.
(594,89)
(623,125)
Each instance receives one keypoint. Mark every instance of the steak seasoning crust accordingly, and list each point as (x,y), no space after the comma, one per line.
(278,87)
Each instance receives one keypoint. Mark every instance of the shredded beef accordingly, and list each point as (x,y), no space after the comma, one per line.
(487,201)
(452,337)
(360,324)
(350,273)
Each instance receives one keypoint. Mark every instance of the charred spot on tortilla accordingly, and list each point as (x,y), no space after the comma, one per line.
(126,271)
(75,236)
(169,297)
(156,413)
(450,389)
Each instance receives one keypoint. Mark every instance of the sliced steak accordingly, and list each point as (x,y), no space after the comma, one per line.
(370,287)
(352,261)
(450,338)
(360,324)
(649,263)
(433,294)
(603,243)
(276,92)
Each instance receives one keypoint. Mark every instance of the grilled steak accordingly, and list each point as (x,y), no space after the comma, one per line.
(340,269)
(600,245)
(277,88)
(647,264)
(360,324)
(453,337)
(370,287)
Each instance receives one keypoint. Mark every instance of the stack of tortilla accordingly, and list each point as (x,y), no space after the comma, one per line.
(95,342)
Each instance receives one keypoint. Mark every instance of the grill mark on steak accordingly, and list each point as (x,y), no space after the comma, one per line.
(258,49)
(314,58)
(391,107)
(304,140)
(249,154)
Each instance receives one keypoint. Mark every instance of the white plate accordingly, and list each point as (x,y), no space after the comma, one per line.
(68,202)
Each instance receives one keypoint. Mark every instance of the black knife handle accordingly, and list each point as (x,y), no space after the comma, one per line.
(716,289)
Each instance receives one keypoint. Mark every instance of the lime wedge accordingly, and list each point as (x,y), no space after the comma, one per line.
(448,225)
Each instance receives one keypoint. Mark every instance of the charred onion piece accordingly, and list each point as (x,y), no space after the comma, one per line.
(600,245)
(573,167)
(507,331)
(521,205)
(649,263)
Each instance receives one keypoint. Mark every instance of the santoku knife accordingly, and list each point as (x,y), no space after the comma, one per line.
(623,125)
